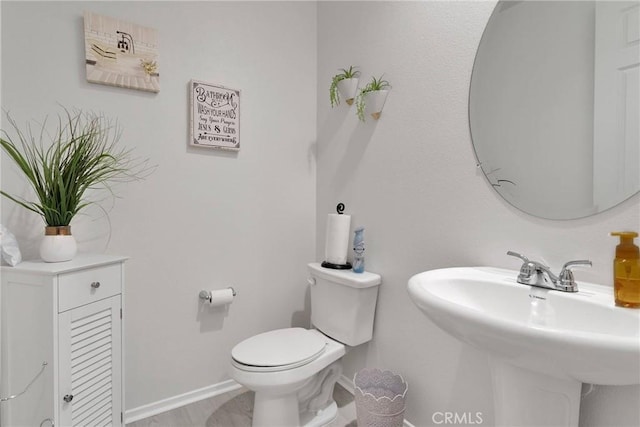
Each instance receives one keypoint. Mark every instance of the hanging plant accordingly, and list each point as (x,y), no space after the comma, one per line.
(345,84)
(374,95)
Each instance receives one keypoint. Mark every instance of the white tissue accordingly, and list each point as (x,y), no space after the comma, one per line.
(337,242)
(10,249)
(221,297)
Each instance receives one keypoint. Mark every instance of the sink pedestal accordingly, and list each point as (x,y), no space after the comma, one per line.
(525,398)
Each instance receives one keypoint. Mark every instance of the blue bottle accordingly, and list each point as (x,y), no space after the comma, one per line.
(358,250)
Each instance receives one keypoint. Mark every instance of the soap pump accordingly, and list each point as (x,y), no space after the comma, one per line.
(358,250)
(626,271)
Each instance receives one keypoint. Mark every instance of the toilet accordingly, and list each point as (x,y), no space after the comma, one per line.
(293,371)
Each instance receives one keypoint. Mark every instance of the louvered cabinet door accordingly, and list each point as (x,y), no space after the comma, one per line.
(90,350)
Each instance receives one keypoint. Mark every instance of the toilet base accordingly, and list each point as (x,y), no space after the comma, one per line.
(311,405)
(271,411)
(278,412)
(323,417)
(316,404)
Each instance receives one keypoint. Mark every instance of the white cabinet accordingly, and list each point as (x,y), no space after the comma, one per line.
(61,332)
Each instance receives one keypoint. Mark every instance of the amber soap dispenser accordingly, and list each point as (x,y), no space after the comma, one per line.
(626,271)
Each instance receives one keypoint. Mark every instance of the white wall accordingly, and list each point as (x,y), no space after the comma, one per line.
(411,180)
(204,219)
(209,219)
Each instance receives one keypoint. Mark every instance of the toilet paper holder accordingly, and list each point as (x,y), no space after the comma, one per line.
(206,295)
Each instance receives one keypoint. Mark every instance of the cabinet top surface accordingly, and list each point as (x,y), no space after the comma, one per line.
(81,261)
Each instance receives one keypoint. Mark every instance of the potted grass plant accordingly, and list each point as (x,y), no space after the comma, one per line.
(82,155)
(372,97)
(344,83)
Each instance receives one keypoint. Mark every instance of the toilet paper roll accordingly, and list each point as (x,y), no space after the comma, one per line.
(337,241)
(221,297)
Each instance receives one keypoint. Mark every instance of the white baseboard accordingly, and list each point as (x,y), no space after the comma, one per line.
(174,402)
(406,423)
(347,383)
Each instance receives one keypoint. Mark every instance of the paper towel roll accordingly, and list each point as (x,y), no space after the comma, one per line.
(221,297)
(337,241)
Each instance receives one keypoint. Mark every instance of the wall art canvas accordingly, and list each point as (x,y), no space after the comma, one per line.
(215,116)
(120,53)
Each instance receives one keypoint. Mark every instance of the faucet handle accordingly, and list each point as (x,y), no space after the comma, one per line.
(517,255)
(528,264)
(566,279)
(576,262)
(528,268)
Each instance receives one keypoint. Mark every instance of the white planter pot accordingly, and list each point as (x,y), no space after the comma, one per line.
(58,245)
(347,89)
(374,102)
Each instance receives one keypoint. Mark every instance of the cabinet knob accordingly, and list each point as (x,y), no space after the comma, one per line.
(95,285)
(68,398)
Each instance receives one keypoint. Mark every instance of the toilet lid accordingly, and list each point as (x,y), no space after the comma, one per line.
(282,347)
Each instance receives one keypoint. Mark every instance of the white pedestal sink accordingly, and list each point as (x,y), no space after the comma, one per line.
(543,344)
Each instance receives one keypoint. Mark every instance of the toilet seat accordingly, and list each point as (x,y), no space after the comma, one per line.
(278,350)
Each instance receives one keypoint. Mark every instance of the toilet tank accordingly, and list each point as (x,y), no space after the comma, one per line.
(343,303)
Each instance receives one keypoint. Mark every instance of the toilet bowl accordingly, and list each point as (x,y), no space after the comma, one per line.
(293,371)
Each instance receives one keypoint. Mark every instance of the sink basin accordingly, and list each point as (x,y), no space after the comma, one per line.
(580,335)
(556,340)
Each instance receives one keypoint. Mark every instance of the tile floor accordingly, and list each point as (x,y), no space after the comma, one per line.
(234,409)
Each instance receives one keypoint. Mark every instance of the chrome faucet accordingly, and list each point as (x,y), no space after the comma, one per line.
(534,273)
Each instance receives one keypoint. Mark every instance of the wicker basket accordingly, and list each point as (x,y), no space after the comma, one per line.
(380,398)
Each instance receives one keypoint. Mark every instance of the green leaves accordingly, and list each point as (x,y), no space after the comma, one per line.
(376,84)
(82,155)
(350,73)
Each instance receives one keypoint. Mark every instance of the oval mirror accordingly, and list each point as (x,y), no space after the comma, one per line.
(554,105)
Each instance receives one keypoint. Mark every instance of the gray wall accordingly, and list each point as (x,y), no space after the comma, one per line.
(411,180)
(209,219)
(205,219)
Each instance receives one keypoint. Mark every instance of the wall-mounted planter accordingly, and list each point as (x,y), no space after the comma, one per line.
(345,85)
(371,98)
(374,102)
(347,89)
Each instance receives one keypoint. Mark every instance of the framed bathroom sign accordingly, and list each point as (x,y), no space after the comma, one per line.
(215,116)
